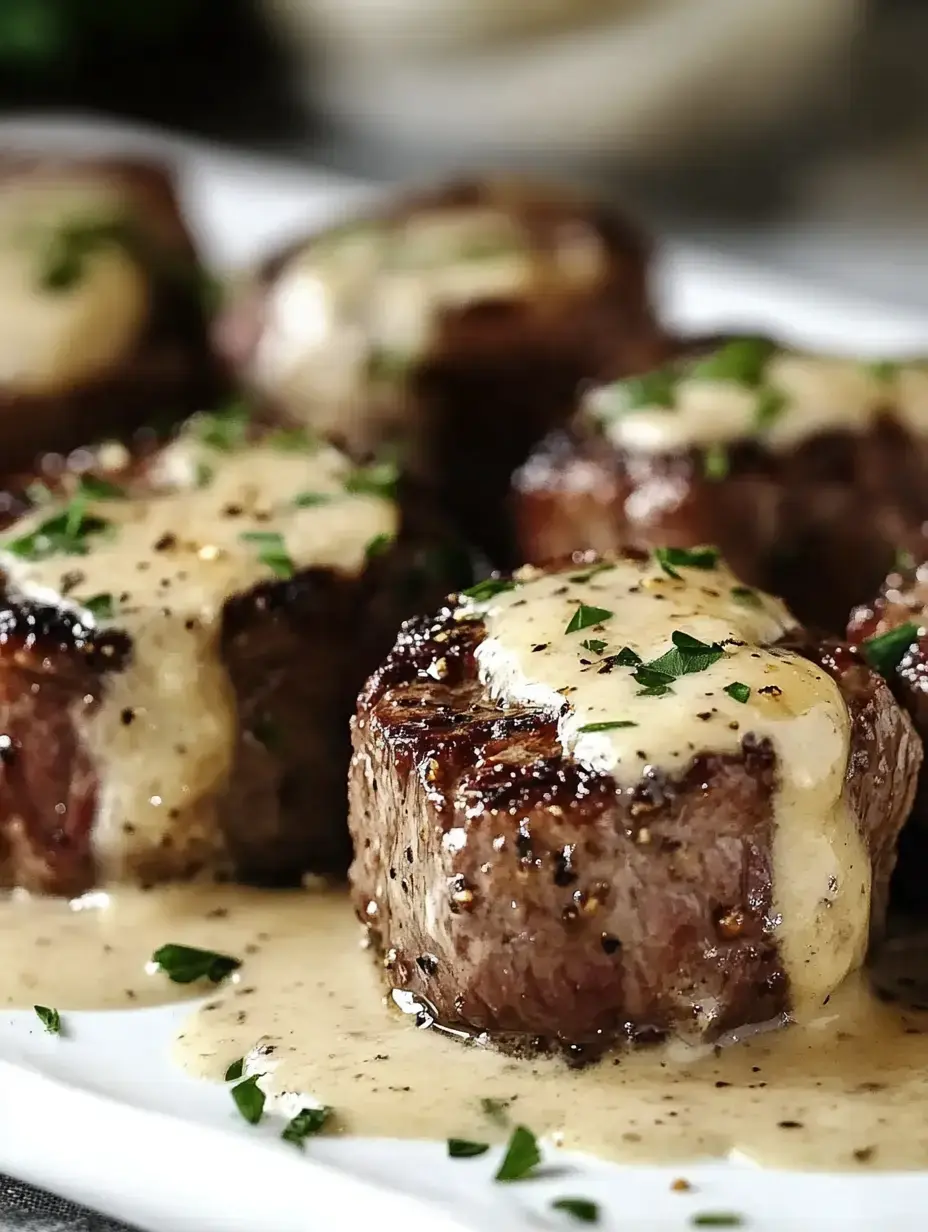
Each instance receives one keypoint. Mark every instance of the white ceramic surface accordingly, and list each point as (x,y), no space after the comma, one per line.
(101,1116)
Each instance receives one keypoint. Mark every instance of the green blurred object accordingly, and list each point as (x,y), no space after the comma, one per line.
(58,38)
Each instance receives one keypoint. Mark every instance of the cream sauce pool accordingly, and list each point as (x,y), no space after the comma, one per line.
(847,1089)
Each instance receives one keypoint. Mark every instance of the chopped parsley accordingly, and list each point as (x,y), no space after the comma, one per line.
(626,657)
(100,606)
(522,1156)
(654,683)
(377,546)
(308,1121)
(460,1148)
(770,405)
(378,479)
(64,260)
(183,964)
(49,1018)
(308,500)
(740,692)
(743,360)
(249,1099)
(886,651)
(235,1070)
(66,533)
(717,1219)
(594,644)
(656,388)
(688,655)
(587,615)
(745,595)
(716,463)
(609,725)
(581,1209)
(496,1109)
(488,589)
(225,429)
(602,567)
(272,551)
(670,559)
(94,488)
(292,440)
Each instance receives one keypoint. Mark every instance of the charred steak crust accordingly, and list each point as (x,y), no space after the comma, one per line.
(501,363)
(293,653)
(522,894)
(165,367)
(818,522)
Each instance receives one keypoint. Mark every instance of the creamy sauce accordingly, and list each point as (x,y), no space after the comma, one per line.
(821,870)
(847,1089)
(54,339)
(173,556)
(354,309)
(816,395)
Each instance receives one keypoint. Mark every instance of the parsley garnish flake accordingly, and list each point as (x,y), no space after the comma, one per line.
(886,650)
(49,1018)
(716,463)
(745,595)
(581,1209)
(594,644)
(740,692)
(378,479)
(743,360)
(717,1219)
(235,1070)
(100,606)
(670,559)
(249,1099)
(461,1148)
(308,1121)
(489,588)
(272,551)
(522,1156)
(65,533)
(587,615)
(225,429)
(608,725)
(183,964)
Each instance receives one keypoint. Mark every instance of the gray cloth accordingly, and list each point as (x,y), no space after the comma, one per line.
(25,1209)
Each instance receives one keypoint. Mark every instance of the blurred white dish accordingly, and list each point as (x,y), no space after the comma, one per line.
(629,78)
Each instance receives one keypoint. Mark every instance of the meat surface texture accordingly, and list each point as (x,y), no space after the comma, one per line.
(102,306)
(448,320)
(809,477)
(182,639)
(521,877)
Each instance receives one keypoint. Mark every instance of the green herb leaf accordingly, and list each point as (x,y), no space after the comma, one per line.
(670,559)
(626,657)
(656,388)
(743,360)
(611,725)
(308,1121)
(587,615)
(460,1148)
(49,1018)
(378,546)
(602,567)
(94,488)
(717,1219)
(654,681)
(716,463)
(770,405)
(745,595)
(489,588)
(66,533)
(225,429)
(183,964)
(886,650)
(740,692)
(99,606)
(292,440)
(594,644)
(64,260)
(272,551)
(378,479)
(205,475)
(308,500)
(582,1209)
(235,1070)
(688,655)
(249,1099)
(522,1156)
(496,1109)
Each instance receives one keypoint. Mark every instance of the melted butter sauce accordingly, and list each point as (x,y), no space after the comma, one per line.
(308,1011)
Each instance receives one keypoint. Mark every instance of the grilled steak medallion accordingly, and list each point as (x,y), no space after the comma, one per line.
(101,303)
(808,472)
(451,319)
(622,798)
(181,645)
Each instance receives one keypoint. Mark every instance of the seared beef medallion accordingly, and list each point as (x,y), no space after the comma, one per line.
(102,315)
(808,472)
(620,798)
(182,639)
(456,325)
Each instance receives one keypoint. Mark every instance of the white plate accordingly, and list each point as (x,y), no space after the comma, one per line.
(101,1115)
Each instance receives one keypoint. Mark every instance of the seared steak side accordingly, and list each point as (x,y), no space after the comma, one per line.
(525,887)
(180,664)
(811,509)
(464,315)
(103,325)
